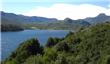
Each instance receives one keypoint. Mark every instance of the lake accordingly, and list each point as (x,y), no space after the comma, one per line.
(11,40)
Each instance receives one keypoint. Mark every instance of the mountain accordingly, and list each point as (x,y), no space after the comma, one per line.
(29,19)
(98,19)
(25,19)
(62,25)
(43,23)
(13,22)
(76,22)
(52,23)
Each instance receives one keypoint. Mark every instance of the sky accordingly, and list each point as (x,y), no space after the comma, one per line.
(60,9)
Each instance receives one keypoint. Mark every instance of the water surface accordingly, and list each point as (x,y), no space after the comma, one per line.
(11,40)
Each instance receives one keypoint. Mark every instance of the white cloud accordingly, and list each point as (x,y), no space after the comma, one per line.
(61,11)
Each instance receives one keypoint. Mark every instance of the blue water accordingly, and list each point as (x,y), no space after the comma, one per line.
(11,40)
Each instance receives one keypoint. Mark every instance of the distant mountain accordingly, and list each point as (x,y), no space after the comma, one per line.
(13,22)
(98,19)
(48,23)
(68,20)
(52,23)
(101,18)
(26,19)
(76,22)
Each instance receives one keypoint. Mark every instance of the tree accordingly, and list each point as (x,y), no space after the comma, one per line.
(52,41)
(25,50)
(63,46)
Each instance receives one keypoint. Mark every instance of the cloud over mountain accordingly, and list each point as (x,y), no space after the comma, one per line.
(61,11)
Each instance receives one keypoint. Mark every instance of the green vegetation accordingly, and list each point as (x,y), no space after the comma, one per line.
(26,49)
(52,41)
(86,46)
(35,22)
(11,27)
(7,25)
(58,25)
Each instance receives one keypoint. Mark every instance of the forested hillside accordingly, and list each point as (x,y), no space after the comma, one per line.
(86,46)
(66,24)
(7,25)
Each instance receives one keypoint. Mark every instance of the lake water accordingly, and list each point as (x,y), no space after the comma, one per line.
(11,40)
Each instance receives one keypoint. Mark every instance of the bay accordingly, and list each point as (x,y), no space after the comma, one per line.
(11,40)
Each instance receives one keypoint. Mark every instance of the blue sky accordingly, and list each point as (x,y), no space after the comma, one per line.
(24,6)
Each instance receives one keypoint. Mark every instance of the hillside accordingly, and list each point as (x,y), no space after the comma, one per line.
(42,22)
(86,46)
(25,19)
(7,25)
(101,18)
(28,22)
(61,25)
